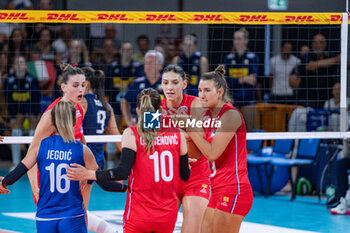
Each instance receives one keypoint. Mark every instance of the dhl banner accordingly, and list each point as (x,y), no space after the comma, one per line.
(137,17)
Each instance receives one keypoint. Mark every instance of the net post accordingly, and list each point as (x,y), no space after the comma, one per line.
(343,71)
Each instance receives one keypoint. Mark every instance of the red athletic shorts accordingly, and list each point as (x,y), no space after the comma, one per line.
(198,188)
(130,226)
(199,182)
(232,203)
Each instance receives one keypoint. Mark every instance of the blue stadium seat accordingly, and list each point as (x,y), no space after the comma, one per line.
(280,149)
(306,156)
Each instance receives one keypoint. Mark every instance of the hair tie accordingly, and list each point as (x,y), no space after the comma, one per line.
(75,64)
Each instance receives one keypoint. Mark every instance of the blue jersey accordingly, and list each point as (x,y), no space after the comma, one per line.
(58,196)
(95,123)
(237,67)
(138,85)
(22,95)
(192,67)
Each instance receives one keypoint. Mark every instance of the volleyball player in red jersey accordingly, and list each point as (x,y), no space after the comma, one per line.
(156,159)
(225,148)
(73,87)
(195,193)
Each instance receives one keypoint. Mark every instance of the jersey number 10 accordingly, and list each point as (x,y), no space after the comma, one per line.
(59,177)
(163,172)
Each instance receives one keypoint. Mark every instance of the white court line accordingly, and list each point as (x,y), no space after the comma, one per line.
(115,218)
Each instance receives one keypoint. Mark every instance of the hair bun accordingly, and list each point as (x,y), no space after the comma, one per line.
(220,70)
(65,67)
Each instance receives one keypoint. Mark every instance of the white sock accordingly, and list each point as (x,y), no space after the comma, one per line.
(31,132)
(99,225)
(16,148)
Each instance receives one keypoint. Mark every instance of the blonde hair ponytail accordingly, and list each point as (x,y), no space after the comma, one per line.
(63,118)
(148,100)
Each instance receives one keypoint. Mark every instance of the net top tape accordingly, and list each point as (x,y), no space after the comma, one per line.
(143,17)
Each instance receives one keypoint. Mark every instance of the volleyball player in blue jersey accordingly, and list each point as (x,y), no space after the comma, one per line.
(99,115)
(60,205)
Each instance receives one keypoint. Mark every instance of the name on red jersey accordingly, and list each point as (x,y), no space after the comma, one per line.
(164,140)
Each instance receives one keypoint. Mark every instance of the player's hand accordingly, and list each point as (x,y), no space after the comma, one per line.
(77,172)
(1,139)
(3,190)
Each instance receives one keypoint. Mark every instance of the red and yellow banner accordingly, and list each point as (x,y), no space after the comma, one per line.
(137,17)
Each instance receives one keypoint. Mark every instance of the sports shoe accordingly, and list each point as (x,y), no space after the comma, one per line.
(341,208)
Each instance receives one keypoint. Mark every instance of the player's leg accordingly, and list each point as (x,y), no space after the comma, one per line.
(167,227)
(47,226)
(73,225)
(224,222)
(193,209)
(230,211)
(208,219)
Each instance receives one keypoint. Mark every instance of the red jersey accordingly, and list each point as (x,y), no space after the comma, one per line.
(152,186)
(229,171)
(78,128)
(200,168)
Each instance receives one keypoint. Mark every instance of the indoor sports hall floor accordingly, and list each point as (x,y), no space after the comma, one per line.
(273,215)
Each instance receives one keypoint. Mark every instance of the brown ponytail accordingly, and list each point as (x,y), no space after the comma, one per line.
(218,77)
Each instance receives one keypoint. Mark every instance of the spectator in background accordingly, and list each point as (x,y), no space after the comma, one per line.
(120,75)
(61,45)
(79,55)
(160,48)
(172,53)
(192,62)
(333,105)
(16,47)
(45,5)
(4,123)
(242,70)
(3,40)
(304,49)
(22,96)
(44,45)
(318,72)
(143,44)
(19,5)
(108,55)
(110,33)
(283,75)
(154,61)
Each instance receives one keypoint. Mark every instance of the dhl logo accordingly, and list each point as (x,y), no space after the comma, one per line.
(112,17)
(63,17)
(160,17)
(208,18)
(253,18)
(299,19)
(13,16)
(336,18)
